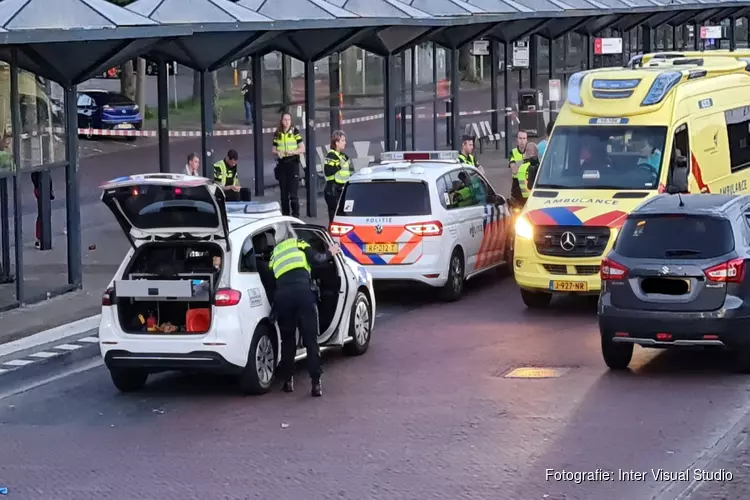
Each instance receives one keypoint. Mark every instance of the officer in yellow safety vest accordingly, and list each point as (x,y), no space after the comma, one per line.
(225,175)
(287,147)
(295,303)
(466,155)
(530,161)
(514,162)
(337,169)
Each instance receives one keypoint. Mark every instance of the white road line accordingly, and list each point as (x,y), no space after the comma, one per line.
(44,354)
(18,362)
(90,340)
(68,347)
(52,335)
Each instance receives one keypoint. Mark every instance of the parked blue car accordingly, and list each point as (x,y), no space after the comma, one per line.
(105,110)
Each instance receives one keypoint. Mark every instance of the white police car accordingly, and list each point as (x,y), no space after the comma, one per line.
(192,293)
(423,217)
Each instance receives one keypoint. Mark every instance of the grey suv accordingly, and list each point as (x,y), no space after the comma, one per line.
(676,277)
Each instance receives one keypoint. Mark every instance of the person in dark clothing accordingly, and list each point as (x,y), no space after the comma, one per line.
(36,179)
(247,94)
(295,303)
(337,170)
(288,146)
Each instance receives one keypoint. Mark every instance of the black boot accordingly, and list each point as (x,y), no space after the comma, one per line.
(317,389)
(288,385)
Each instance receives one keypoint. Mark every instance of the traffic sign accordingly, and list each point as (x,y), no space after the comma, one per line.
(520,55)
(555,91)
(605,46)
(711,33)
(481,48)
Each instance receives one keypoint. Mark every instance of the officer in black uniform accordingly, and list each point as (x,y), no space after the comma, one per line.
(295,303)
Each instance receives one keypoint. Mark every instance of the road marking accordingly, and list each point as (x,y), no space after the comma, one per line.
(51,335)
(44,354)
(18,362)
(68,347)
(90,340)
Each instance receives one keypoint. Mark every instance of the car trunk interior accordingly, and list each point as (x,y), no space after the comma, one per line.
(169,287)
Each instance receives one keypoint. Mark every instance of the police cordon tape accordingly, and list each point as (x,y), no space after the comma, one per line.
(90,132)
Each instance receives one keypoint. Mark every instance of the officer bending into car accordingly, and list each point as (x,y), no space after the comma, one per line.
(295,303)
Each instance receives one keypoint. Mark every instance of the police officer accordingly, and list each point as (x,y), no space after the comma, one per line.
(337,170)
(514,162)
(225,175)
(295,303)
(288,146)
(527,171)
(466,155)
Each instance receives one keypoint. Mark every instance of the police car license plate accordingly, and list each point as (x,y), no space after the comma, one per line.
(124,125)
(381,248)
(568,286)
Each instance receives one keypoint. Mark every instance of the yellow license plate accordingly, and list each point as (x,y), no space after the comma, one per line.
(568,286)
(381,248)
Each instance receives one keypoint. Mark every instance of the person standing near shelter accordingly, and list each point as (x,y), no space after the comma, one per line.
(193,165)
(527,170)
(36,179)
(288,146)
(514,163)
(337,170)
(225,175)
(466,155)
(295,303)
(247,94)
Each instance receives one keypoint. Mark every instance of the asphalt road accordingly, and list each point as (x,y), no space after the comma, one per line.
(427,413)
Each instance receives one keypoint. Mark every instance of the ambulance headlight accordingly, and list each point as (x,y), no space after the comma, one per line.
(524,228)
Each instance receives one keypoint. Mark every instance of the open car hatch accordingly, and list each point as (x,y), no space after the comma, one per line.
(152,207)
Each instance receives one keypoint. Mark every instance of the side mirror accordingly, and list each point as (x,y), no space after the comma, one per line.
(499,200)
(680,172)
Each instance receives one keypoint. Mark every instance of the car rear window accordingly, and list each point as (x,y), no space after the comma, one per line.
(384,198)
(117,100)
(153,207)
(675,237)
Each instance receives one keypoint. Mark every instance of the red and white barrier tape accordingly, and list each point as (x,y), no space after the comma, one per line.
(269,130)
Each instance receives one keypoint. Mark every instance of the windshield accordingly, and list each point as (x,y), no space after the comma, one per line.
(384,198)
(602,157)
(153,207)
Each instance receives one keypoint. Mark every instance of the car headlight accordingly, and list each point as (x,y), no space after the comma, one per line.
(524,228)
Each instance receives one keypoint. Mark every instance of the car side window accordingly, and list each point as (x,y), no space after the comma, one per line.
(85,101)
(481,190)
(256,250)
(442,190)
(458,192)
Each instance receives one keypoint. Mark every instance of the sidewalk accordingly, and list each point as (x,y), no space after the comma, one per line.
(104,247)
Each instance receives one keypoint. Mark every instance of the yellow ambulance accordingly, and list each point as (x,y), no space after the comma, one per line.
(669,122)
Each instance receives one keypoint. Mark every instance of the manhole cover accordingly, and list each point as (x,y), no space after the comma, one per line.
(536,372)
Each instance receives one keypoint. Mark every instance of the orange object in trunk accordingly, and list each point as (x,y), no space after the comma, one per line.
(198,320)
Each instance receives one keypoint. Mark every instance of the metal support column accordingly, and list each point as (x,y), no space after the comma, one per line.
(286,81)
(435,101)
(646,39)
(72,199)
(506,95)
(207,121)
(401,144)
(15,117)
(674,37)
(455,106)
(533,61)
(334,67)
(589,52)
(696,35)
(5,275)
(413,92)
(732,37)
(311,179)
(162,93)
(256,70)
(390,102)
(551,73)
(494,68)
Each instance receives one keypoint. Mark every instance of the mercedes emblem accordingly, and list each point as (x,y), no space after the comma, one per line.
(568,241)
(378,229)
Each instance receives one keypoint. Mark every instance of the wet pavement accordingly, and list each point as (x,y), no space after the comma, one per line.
(428,412)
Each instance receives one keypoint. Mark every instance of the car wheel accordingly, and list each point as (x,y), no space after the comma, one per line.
(454,287)
(258,375)
(128,379)
(360,326)
(535,300)
(616,356)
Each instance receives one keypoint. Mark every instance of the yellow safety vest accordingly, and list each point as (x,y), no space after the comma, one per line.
(287,256)
(467,159)
(342,163)
(523,178)
(517,157)
(225,175)
(287,141)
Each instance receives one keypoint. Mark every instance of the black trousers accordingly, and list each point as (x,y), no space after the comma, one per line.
(296,308)
(287,173)
(242,195)
(332,193)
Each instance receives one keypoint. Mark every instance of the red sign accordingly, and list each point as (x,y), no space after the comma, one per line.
(598,46)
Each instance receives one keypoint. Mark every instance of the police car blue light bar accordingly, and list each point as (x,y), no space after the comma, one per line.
(252,207)
(419,156)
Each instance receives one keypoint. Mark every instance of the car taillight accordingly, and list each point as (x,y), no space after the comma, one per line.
(107,107)
(433,228)
(227,297)
(732,271)
(611,270)
(107,296)
(339,229)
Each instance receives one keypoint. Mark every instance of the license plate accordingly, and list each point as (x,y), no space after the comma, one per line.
(123,125)
(568,286)
(381,248)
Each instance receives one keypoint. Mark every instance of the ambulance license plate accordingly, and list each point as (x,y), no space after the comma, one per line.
(380,248)
(568,286)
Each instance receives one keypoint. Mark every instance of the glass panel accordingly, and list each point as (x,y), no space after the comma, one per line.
(42,120)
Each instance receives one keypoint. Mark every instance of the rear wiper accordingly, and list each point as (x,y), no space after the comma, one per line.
(387,215)
(682,251)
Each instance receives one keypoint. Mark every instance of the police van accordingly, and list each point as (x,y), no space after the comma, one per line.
(423,217)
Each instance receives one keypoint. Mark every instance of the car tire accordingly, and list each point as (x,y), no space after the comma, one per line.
(258,375)
(454,287)
(128,379)
(616,356)
(535,300)
(360,326)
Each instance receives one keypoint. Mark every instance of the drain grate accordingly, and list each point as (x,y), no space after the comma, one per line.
(537,372)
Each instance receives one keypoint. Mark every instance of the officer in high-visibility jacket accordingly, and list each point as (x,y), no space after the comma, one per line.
(466,154)
(225,175)
(337,169)
(514,162)
(295,303)
(527,171)
(287,147)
